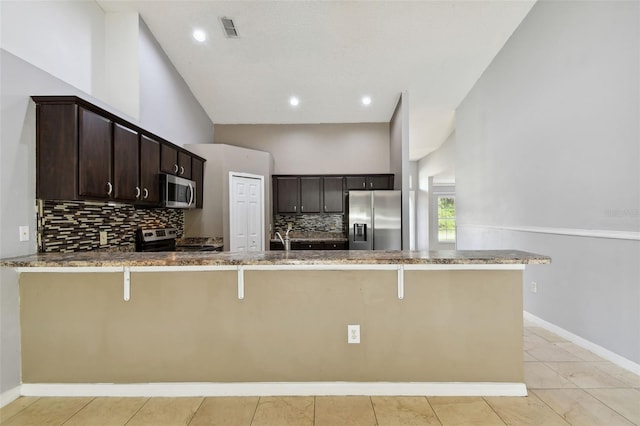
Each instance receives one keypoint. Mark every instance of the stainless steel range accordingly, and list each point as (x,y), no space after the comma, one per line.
(163,239)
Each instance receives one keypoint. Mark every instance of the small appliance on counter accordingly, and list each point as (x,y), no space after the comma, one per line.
(177,192)
(154,240)
(375,221)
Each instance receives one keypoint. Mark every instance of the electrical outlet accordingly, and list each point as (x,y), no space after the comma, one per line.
(24,233)
(353,333)
(103,238)
(534,287)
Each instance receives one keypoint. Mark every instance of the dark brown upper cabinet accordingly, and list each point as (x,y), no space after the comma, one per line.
(94,156)
(149,171)
(286,192)
(169,159)
(184,165)
(126,158)
(310,194)
(175,162)
(369,182)
(84,152)
(332,193)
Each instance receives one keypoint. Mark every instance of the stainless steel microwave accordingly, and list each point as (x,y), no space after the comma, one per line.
(177,192)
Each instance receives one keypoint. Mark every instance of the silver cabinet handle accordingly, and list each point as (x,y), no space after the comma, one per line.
(301,208)
(181,170)
(364,185)
(137,192)
(175,168)
(146,194)
(110,190)
(295,209)
(370,184)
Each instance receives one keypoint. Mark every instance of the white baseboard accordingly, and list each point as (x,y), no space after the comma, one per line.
(590,346)
(9,396)
(275,389)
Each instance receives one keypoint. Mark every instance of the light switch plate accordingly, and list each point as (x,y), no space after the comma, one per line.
(24,233)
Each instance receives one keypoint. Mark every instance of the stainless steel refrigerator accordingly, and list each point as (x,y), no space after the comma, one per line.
(375,221)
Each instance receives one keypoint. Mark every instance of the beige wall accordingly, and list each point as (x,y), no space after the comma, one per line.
(452,326)
(213,219)
(314,148)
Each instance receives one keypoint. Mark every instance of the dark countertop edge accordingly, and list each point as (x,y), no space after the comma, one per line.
(275,258)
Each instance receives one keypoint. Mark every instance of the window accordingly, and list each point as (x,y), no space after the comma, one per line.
(446,219)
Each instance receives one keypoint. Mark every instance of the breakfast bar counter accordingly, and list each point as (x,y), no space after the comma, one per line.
(273,323)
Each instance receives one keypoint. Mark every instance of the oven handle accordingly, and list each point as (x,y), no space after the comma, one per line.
(191,195)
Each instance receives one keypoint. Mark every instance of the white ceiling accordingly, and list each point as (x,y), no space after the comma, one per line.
(330,54)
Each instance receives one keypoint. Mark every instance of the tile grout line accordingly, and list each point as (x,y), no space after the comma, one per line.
(432,410)
(21,410)
(255,410)
(81,408)
(137,411)
(494,410)
(549,406)
(196,410)
(607,405)
(375,416)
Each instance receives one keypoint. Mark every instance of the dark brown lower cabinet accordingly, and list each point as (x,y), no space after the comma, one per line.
(314,245)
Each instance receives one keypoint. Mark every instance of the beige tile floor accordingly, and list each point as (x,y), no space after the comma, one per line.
(567,385)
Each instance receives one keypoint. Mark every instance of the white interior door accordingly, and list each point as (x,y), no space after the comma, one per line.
(246,213)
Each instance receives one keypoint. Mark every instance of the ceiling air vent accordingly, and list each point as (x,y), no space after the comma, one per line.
(229,27)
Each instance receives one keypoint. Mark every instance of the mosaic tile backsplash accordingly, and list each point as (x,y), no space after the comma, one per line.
(70,226)
(310,222)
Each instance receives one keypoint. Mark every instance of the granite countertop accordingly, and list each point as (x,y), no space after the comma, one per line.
(215,242)
(296,257)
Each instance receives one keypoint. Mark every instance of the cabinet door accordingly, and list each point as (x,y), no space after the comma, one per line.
(94,156)
(56,151)
(287,189)
(169,159)
(379,182)
(335,246)
(309,194)
(356,182)
(197,174)
(184,165)
(333,195)
(149,169)
(125,164)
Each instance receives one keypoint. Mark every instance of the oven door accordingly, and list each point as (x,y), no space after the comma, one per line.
(178,192)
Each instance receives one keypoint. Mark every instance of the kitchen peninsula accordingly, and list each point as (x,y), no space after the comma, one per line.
(439,323)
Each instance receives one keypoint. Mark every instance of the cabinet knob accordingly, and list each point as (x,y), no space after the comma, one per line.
(364,185)
(137,192)
(301,208)
(110,190)
(146,194)
(181,170)
(175,168)
(295,208)
(370,184)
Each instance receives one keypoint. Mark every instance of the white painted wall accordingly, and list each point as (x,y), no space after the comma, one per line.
(314,148)
(122,31)
(213,219)
(64,38)
(547,145)
(166,102)
(435,168)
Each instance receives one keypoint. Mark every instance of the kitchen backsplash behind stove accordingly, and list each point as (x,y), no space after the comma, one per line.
(70,226)
(309,222)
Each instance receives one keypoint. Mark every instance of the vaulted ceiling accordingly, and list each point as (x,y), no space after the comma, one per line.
(330,54)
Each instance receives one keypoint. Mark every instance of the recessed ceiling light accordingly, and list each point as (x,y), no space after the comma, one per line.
(294,101)
(199,35)
(366,100)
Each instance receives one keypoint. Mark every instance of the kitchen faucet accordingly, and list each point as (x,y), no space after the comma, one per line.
(286,242)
